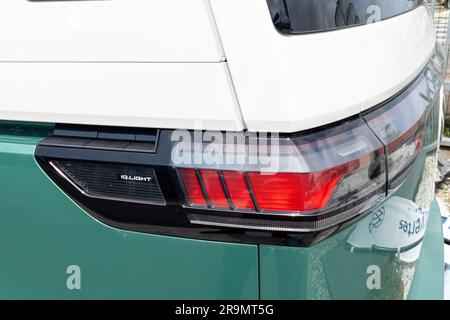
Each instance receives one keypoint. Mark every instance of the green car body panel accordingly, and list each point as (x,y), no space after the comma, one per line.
(331,271)
(43,232)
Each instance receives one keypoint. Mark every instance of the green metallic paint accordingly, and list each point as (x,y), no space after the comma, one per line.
(330,271)
(42,232)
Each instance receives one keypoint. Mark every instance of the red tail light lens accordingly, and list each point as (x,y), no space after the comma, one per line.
(192,188)
(282,192)
(290,192)
(221,189)
(214,188)
(238,190)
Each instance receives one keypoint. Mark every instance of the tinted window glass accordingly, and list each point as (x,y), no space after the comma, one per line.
(299,16)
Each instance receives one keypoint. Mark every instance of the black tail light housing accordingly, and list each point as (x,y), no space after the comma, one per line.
(151,181)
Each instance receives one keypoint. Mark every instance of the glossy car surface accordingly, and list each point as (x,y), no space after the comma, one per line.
(219,65)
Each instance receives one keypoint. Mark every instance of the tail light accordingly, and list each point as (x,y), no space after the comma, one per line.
(201,184)
(315,175)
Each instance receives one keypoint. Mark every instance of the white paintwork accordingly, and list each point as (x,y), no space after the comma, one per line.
(161,95)
(110,63)
(114,30)
(292,83)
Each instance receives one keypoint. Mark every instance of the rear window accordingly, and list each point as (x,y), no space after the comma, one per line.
(302,16)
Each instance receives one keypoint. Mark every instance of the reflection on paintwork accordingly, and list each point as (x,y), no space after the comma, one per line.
(396,228)
(398,225)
